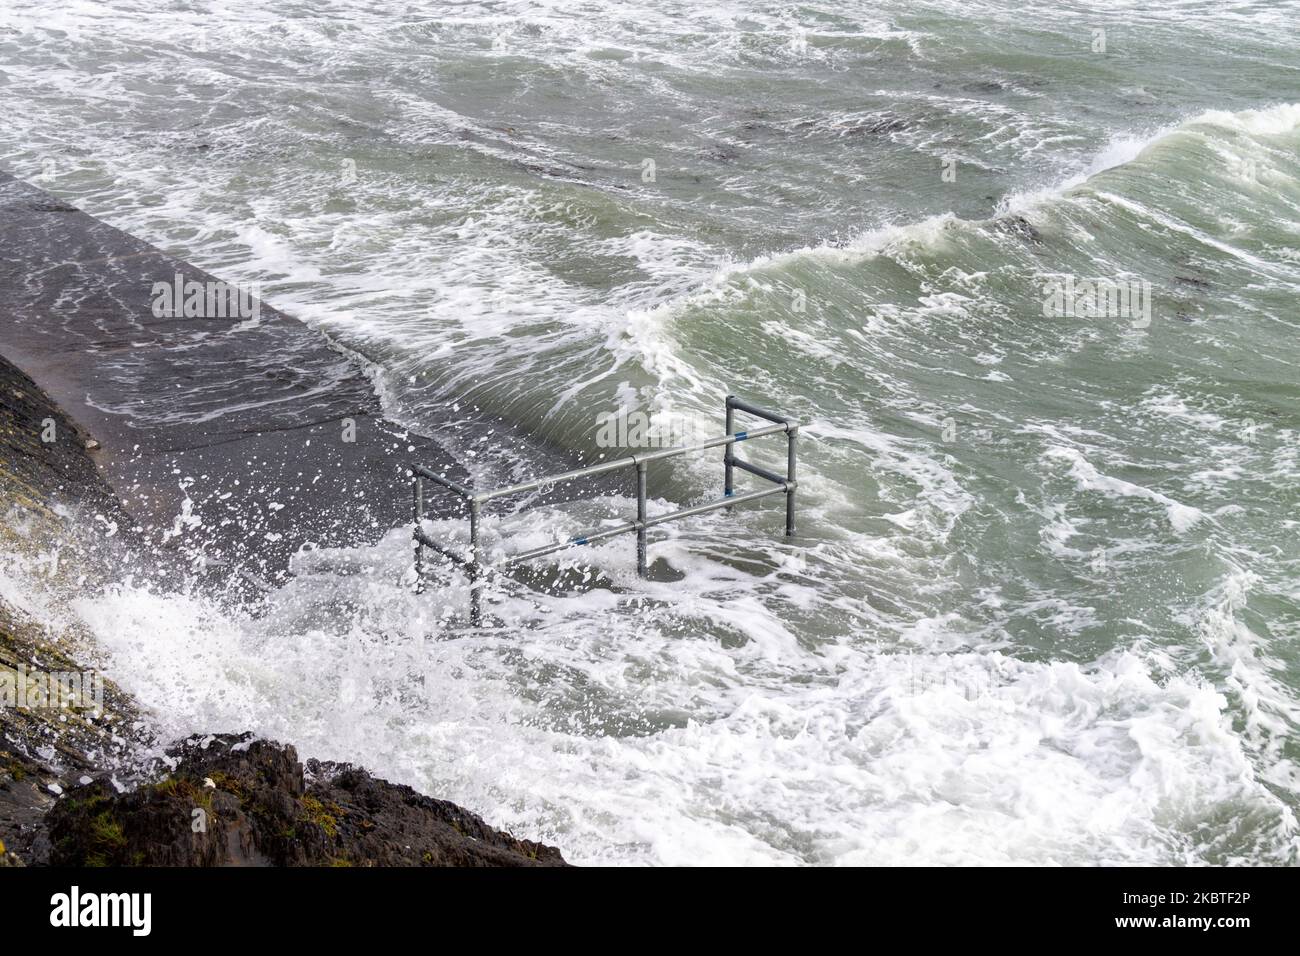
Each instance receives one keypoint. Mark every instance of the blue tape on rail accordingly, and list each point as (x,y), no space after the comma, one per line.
(741,436)
(579,540)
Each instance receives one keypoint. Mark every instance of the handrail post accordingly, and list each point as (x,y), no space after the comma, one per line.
(640,519)
(417,505)
(475,606)
(791,434)
(729,454)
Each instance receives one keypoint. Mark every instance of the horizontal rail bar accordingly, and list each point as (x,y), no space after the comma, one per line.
(632,461)
(574,542)
(761,472)
(428,542)
(595,536)
(744,406)
(600,469)
(713,442)
(445,482)
(714,505)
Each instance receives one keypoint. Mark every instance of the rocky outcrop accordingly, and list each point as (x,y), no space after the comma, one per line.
(61,526)
(239,801)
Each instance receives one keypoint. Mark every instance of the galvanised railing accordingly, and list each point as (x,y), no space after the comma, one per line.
(472,560)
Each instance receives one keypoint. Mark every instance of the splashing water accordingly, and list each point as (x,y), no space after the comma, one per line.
(1043,606)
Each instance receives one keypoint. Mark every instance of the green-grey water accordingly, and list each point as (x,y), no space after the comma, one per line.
(1043,606)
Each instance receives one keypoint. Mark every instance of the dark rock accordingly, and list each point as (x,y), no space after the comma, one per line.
(43,461)
(1018,226)
(252,806)
(24,799)
(54,509)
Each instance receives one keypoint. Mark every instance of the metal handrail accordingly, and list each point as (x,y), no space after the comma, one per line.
(474,501)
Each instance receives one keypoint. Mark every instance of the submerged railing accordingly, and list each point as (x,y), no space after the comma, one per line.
(472,560)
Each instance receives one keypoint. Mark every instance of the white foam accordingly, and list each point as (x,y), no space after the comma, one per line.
(1181,517)
(922,758)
